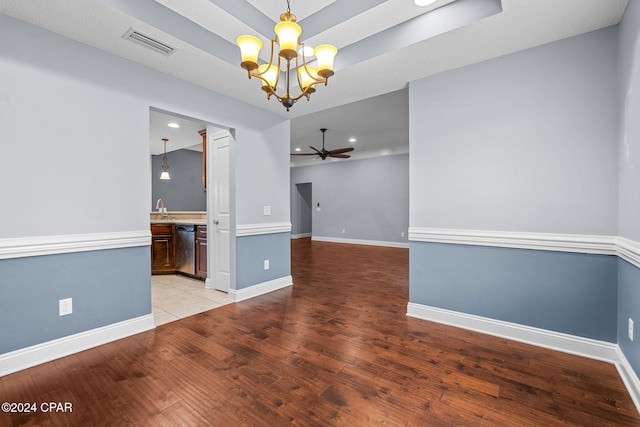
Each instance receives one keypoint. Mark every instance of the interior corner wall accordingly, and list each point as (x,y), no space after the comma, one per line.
(262,180)
(522,143)
(629,177)
(367,198)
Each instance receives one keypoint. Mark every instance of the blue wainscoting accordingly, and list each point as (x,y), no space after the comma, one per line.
(629,307)
(251,251)
(107,286)
(571,293)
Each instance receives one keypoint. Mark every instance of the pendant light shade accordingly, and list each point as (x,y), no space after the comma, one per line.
(165,165)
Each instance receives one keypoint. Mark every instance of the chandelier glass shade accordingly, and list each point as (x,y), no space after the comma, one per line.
(287,62)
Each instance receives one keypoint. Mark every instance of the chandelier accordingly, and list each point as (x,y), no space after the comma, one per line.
(289,49)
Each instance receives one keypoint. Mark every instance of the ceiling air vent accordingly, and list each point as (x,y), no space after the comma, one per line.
(148,41)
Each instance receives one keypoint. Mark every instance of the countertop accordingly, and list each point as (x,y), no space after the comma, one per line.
(180,221)
(177,217)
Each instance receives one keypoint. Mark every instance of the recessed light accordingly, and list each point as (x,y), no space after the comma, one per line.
(423,3)
(173,125)
(352,139)
(297,149)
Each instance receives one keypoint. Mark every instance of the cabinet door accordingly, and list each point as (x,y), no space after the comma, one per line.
(201,252)
(162,253)
(163,245)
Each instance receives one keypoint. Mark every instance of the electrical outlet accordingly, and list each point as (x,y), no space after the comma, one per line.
(630,329)
(266,264)
(65,306)
(267,210)
(343,231)
(402,234)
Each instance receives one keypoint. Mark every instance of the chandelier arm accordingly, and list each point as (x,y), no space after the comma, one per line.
(304,64)
(275,86)
(253,73)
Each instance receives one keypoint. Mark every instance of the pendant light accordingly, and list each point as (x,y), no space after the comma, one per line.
(165,165)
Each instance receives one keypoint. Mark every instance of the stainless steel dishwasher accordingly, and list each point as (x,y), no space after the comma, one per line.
(185,249)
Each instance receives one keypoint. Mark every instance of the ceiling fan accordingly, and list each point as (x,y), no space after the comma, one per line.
(324,153)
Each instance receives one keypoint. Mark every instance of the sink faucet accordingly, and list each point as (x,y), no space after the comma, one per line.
(161,209)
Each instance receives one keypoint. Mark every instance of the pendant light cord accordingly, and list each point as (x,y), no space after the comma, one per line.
(288,7)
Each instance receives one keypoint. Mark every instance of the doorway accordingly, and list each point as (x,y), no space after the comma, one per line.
(206,172)
(303,223)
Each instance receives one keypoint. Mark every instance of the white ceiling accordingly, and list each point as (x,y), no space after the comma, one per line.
(383,45)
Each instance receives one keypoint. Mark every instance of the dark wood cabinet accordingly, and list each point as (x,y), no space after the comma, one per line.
(201,251)
(163,244)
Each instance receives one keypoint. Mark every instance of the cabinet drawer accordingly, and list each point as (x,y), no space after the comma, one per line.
(161,228)
(201,232)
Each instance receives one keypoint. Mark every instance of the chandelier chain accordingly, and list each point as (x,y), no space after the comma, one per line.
(288,7)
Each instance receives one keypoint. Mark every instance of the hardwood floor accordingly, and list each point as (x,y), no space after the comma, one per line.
(336,349)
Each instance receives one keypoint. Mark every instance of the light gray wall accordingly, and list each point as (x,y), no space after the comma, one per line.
(183,192)
(263,175)
(262,179)
(629,177)
(74,126)
(367,198)
(301,209)
(629,131)
(524,142)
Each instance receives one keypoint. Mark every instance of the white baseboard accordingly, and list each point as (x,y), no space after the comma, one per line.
(35,355)
(300,236)
(629,377)
(361,242)
(260,289)
(585,347)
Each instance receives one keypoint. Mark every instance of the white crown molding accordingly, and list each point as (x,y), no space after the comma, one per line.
(49,245)
(260,289)
(243,230)
(41,353)
(361,242)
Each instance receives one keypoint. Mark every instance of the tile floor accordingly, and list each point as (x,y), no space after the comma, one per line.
(174,297)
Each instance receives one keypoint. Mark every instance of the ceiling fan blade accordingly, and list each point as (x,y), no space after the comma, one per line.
(340,156)
(315,149)
(341,150)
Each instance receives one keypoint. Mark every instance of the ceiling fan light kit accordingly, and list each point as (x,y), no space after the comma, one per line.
(288,38)
(324,153)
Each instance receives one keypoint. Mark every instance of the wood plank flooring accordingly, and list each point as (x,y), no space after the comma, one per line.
(336,349)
